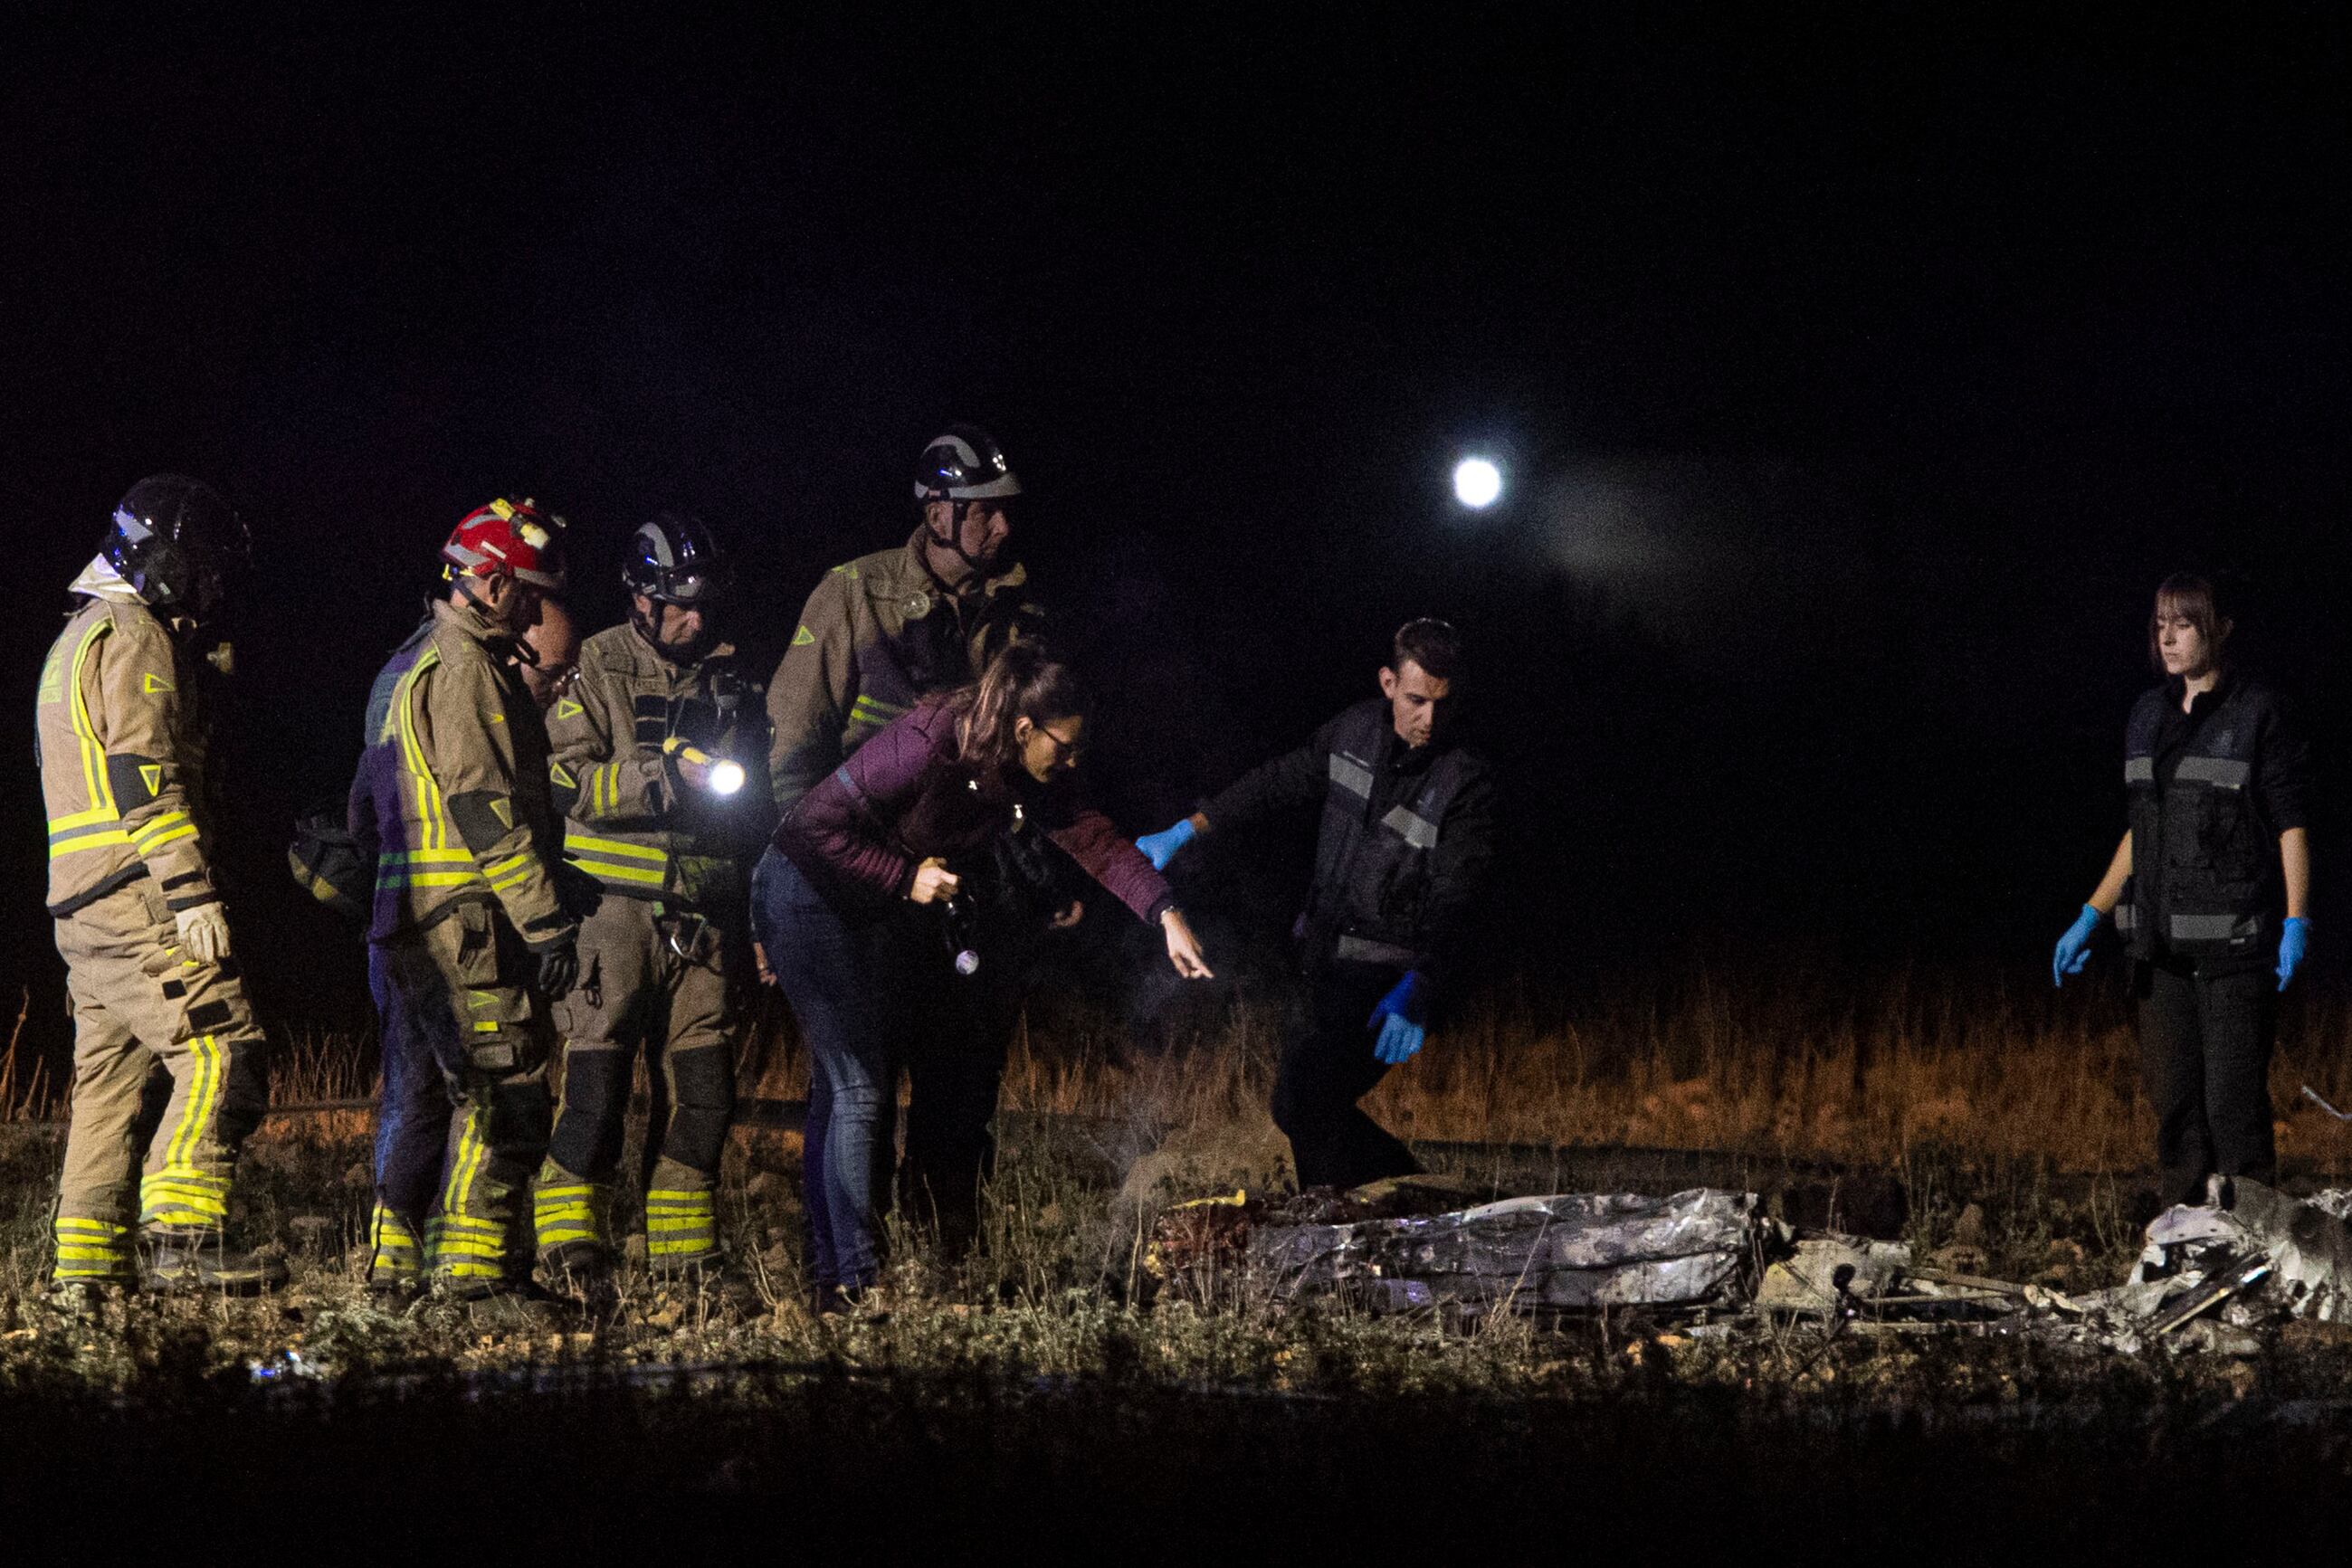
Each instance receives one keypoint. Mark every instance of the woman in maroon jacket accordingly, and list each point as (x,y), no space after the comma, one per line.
(859,876)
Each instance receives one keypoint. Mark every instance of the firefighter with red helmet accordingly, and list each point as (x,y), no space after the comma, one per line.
(119,739)
(469,940)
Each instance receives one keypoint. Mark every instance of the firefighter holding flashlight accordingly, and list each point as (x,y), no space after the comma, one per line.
(659,765)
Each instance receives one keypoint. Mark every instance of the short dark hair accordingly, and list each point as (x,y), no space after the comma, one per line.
(1432,643)
(2187,594)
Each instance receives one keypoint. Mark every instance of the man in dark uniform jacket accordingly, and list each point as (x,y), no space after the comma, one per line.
(1406,843)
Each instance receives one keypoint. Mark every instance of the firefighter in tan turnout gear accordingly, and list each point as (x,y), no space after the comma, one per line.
(139,921)
(471,939)
(660,767)
(887,628)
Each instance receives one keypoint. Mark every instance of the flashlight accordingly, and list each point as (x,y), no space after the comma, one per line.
(723,778)
(962,917)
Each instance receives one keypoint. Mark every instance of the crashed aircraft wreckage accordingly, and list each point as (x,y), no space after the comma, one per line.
(2250,1257)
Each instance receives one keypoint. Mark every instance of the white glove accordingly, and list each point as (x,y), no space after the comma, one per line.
(204,933)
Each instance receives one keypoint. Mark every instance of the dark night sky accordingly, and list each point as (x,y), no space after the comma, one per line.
(1858,379)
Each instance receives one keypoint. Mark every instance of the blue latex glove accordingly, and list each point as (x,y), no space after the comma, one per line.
(1399,1037)
(2294,942)
(2074,947)
(1397,1017)
(1159,848)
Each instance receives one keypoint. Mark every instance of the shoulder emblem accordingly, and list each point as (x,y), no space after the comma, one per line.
(151,774)
(804,638)
(505,810)
(566,708)
(152,683)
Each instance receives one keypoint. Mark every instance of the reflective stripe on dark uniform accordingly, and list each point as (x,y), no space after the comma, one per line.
(2206,882)
(1371,895)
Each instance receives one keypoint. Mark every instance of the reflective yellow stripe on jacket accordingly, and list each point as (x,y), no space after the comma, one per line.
(439,859)
(96,826)
(615,860)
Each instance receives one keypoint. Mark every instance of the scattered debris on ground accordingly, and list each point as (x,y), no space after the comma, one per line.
(2217,1276)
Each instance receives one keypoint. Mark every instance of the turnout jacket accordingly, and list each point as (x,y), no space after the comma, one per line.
(906,797)
(878,634)
(451,791)
(1406,841)
(118,738)
(632,823)
(2209,793)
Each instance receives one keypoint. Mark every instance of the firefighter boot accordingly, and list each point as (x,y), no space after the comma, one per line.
(682,1250)
(395,1260)
(573,1257)
(93,1264)
(177,1259)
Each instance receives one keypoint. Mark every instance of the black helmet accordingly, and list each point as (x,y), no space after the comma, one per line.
(963,462)
(674,560)
(177,542)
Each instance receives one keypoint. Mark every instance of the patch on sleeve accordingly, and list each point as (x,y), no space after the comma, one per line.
(135,779)
(483,818)
(804,638)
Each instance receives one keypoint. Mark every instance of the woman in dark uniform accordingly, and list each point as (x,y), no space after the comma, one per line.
(2208,891)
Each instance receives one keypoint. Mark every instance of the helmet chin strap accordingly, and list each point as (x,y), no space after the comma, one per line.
(649,628)
(954,541)
(524,653)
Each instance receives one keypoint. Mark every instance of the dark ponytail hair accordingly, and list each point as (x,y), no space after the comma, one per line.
(1024,681)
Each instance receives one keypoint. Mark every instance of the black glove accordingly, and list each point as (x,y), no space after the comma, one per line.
(580,893)
(558,964)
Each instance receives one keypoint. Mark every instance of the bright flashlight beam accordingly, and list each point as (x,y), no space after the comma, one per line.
(1477,483)
(726,777)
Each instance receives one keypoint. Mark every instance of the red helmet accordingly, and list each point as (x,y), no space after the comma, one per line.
(509,539)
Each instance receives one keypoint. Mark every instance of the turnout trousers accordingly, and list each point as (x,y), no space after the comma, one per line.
(1327,1066)
(140,1006)
(654,980)
(460,1000)
(2205,1057)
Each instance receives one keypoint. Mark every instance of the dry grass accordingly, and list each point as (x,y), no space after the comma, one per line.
(1803,1070)
(1804,1066)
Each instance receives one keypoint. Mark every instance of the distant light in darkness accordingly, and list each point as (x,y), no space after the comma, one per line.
(1478,483)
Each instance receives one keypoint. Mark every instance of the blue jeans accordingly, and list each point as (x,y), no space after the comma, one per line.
(851,1004)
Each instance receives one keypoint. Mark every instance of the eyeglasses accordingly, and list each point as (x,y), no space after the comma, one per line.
(1073,750)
